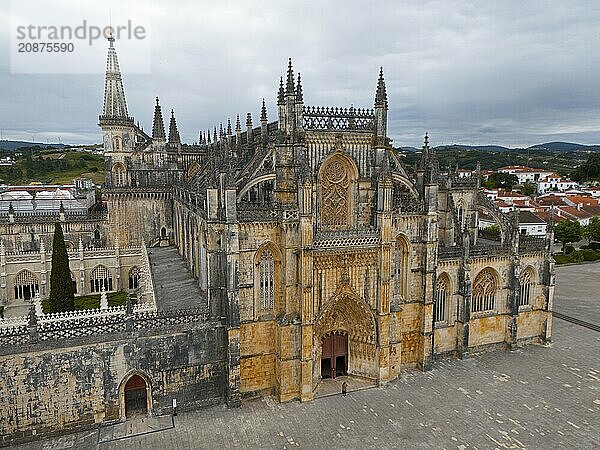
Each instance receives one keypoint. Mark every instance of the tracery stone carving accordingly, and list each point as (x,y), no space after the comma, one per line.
(336,196)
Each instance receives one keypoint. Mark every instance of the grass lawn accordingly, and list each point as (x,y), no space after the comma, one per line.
(92,301)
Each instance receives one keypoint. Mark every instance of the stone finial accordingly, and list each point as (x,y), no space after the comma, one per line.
(290,88)
(61,208)
(174,138)
(249,120)
(11,208)
(426,140)
(37,303)
(263,111)
(42,246)
(299,95)
(80,245)
(281,93)
(158,125)
(208,136)
(229,131)
(238,125)
(103,299)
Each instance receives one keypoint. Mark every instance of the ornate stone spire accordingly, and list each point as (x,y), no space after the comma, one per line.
(238,125)
(381,95)
(115,106)
(263,111)
(158,126)
(299,96)
(249,120)
(281,93)
(208,135)
(173,132)
(290,88)
(229,127)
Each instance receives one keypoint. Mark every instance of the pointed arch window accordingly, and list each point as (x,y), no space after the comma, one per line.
(119,175)
(442,299)
(484,291)
(134,277)
(101,278)
(400,269)
(26,285)
(266,279)
(527,287)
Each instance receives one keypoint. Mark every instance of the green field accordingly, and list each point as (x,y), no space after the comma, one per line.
(562,162)
(53,167)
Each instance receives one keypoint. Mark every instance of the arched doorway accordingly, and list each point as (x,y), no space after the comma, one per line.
(334,355)
(136,397)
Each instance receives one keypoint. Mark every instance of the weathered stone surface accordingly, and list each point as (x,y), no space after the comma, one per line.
(79,383)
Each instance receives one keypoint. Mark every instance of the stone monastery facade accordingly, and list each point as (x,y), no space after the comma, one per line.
(323,254)
(311,253)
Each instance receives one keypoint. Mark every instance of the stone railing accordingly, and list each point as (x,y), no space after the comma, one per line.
(148,293)
(53,216)
(454,252)
(488,250)
(45,327)
(532,244)
(325,118)
(346,238)
(248,212)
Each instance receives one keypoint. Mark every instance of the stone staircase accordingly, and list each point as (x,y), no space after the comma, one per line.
(174,285)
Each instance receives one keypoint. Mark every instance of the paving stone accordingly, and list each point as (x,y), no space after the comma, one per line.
(535,397)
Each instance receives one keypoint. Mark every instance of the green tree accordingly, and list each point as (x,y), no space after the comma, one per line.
(528,189)
(568,231)
(501,180)
(62,297)
(592,231)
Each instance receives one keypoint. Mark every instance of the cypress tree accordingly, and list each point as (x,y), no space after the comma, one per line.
(62,297)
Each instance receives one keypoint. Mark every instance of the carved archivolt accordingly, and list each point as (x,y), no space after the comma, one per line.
(347,312)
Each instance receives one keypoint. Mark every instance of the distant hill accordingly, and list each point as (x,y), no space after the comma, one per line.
(564,147)
(12,146)
(483,148)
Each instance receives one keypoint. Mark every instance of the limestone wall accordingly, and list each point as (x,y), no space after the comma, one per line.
(52,387)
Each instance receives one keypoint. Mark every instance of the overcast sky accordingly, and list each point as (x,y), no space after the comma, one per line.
(510,73)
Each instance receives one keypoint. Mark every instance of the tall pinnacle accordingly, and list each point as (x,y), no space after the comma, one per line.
(290,89)
(281,93)
(115,106)
(238,125)
(173,132)
(381,95)
(158,126)
(299,96)
(263,112)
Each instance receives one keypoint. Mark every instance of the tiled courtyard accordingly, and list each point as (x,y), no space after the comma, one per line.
(535,397)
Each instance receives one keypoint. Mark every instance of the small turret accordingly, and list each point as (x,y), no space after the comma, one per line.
(174,139)
(249,127)
(290,89)
(299,95)
(263,121)
(158,126)
(238,130)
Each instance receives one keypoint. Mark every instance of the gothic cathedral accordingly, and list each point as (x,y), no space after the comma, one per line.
(319,251)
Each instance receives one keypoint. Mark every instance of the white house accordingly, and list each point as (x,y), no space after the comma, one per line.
(531,225)
(555,182)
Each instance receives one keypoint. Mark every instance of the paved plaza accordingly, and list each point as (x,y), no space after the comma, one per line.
(535,397)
